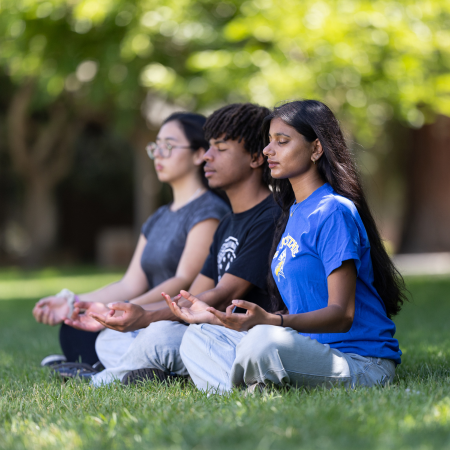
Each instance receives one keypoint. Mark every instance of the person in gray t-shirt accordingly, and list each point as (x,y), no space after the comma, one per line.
(171,249)
(166,232)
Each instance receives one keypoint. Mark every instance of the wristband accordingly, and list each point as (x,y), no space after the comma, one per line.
(282,320)
(71,298)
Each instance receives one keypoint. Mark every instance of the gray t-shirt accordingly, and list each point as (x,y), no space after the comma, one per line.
(166,233)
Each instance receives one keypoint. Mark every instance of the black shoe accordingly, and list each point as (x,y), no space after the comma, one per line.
(74,370)
(141,375)
(53,360)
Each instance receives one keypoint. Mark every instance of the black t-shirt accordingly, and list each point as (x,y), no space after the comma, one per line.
(241,247)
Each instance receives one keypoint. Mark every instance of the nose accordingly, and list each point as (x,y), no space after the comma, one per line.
(267,149)
(208,155)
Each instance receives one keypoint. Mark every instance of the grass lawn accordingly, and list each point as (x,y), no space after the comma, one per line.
(37,412)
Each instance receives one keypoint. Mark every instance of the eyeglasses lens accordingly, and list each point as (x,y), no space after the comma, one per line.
(163,150)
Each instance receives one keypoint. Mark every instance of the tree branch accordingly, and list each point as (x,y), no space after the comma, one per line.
(50,135)
(17,127)
(59,165)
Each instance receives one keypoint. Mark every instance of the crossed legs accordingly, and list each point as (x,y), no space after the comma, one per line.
(218,359)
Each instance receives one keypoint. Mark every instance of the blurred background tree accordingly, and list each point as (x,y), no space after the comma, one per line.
(73,66)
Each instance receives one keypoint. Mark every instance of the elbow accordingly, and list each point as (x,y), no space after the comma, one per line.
(346,323)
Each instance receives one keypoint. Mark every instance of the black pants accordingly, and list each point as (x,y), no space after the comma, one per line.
(78,345)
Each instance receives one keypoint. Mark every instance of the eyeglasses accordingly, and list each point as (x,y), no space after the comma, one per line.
(164,150)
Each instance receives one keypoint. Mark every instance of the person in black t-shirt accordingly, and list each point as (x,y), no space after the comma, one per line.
(237,265)
(240,248)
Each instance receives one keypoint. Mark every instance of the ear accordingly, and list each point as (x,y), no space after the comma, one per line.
(317,151)
(198,156)
(257,160)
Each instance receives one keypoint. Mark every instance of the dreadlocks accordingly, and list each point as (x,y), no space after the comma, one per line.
(238,121)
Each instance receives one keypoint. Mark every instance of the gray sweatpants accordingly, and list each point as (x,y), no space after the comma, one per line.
(155,347)
(218,359)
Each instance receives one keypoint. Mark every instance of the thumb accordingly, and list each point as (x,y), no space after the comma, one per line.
(219,314)
(75,313)
(229,310)
(119,306)
(244,304)
(82,305)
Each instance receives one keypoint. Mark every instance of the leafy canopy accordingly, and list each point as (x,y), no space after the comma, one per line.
(368,60)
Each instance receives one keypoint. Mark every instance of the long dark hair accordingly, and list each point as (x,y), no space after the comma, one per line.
(192,125)
(314,120)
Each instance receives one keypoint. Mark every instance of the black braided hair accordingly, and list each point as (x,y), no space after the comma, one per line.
(240,122)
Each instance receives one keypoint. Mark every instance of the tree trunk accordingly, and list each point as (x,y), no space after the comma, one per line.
(41,220)
(42,155)
(427,220)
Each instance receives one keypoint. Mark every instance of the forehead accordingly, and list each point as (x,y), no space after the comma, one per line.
(229,142)
(171,130)
(278,126)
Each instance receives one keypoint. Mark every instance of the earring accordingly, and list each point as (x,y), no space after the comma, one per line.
(314,161)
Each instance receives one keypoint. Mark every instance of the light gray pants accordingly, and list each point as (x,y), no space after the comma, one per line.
(218,359)
(111,345)
(155,347)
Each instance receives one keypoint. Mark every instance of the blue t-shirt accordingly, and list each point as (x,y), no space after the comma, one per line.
(323,231)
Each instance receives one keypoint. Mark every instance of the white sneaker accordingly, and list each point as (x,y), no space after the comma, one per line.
(52,360)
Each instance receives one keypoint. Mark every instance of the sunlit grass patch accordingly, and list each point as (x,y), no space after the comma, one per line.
(39,412)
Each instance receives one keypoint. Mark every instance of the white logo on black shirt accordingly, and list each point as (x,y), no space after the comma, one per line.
(226,255)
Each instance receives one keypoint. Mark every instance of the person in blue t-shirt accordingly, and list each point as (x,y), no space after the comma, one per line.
(328,265)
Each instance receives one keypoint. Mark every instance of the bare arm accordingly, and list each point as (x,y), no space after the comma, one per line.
(336,317)
(197,309)
(135,317)
(53,310)
(133,283)
(192,259)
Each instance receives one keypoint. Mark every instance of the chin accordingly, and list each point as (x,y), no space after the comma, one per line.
(164,178)
(277,176)
(214,184)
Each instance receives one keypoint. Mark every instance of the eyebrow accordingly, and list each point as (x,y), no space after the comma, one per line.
(165,139)
(281,134)
(220,141)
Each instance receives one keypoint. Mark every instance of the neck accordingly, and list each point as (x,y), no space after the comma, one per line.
(186,189)
(247,194)
(304,185)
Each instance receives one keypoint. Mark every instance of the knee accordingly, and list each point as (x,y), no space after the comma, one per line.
(102,341)
(190,340)
(159,327)
(260,342)
(156,333)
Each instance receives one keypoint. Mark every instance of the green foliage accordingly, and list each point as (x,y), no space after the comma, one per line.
(368,60)
(42,413)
